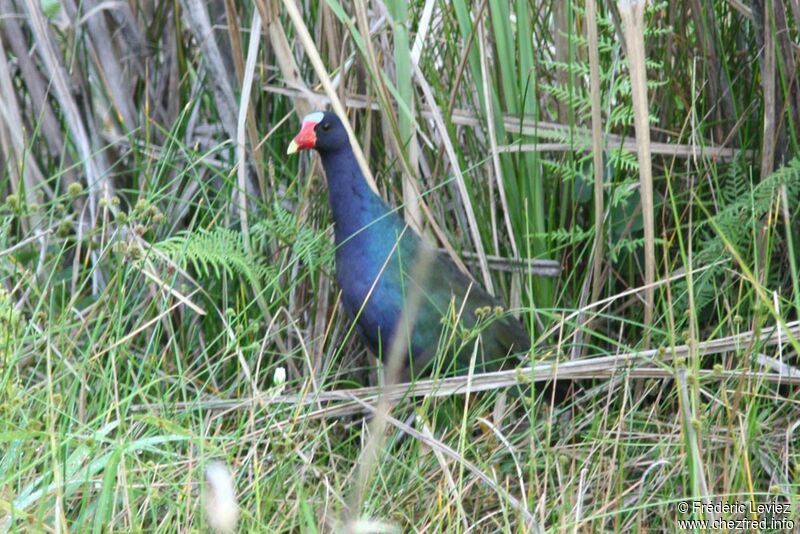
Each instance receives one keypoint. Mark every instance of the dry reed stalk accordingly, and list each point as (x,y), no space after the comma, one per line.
(35,83)
(436,115)
(642,364)
(25,174)
(196,14)
(632,13)
(395,359)
(597,145)
(244,107)
(316,61)
(97,182)
(582,138)
(282,50)
(768,86)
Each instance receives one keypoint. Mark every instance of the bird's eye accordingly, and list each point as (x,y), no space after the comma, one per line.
(326,126)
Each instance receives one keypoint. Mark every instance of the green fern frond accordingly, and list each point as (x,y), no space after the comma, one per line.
(564,236)
(628,245)
(212,252)
(743,205)
(311,246)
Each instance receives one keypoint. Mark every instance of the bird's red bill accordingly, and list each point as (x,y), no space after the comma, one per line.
(305,139)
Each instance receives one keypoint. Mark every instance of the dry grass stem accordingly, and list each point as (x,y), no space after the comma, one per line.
(632,13)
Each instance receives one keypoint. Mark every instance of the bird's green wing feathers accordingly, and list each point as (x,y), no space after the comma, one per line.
(447,294)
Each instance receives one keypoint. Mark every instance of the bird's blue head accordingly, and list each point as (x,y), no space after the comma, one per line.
(322,131)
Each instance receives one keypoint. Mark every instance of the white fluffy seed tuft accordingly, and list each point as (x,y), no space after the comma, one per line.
(279,377)
(222,509)
(371,526)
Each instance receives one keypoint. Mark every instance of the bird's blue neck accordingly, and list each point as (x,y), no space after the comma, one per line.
(356,208)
